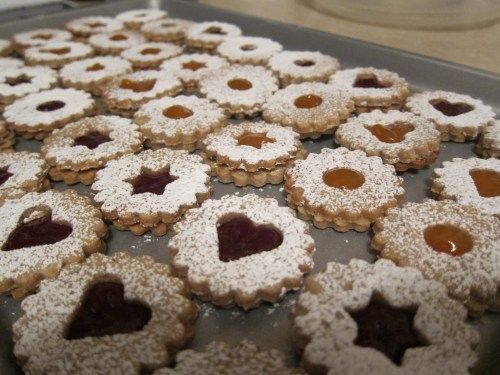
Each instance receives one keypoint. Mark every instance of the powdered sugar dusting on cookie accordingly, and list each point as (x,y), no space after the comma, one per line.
(81,71)
(57,51)
(211,33)
(249,50)
(167,30)
(40,37)
(10,63)
(136,53)
(39,77)
(86,26)
(137,17)
(116,41)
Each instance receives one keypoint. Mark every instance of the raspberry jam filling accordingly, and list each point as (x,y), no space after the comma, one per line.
(308,101)
(14,81)
(450,109)
(150,51)
(343,178)
(50,106)
(104,311)
(487,182)
(386,329)
(176,112)
(95,67)
(4,175)
(239,84)
(254,140)
(56,51)
(137,86)
(240,237)
(118,37)
(394,133)
(92,139)
(214,30)
(193,65)
(449,239)
(40,231)
(152,182)
(248,47)
(304,63)
(369,81)
(42,36)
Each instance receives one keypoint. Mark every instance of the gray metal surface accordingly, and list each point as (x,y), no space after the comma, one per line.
(270,325)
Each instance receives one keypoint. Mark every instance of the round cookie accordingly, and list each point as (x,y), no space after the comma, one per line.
(84,27)
(57,54)
(150,55)
(136,18)
(170,30)
(206,36)
(249,50)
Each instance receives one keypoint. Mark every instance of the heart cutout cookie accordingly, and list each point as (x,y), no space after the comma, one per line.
(393,133)
(240,237)
(450,109)
(104,311)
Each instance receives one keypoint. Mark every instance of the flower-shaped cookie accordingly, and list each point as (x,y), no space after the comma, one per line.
(136,18)
(171,30)
(150,55)
(249,50)
(38,37)
(488,145)
(57,54)
(116,42)
(206,36)
(86,26)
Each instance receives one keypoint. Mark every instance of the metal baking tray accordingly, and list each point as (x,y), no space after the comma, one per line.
(270,325)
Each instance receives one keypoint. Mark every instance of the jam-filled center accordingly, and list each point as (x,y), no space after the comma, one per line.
(308,101)
(50,106)
(386,329)
(56,51)
(39,231)
(167,24)
(487,182)
(177,112)
(18,80)
(449,239)
(193,65)
(214,30)
(450,109)
(343,178)
(92,139)
(248,47)
(95,67)
(304,63)
(150,51)
(4,175)
(152,181)
(255,140)
(137,86)
(239,84)
(95,25)
(104,311)
(393,133)
(240,237)
(42,36)
(118,37)
(370,81)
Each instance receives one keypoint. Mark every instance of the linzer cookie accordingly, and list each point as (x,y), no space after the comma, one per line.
(57,54)
(458,117)
(116,42)
(171,30)
(249,50)
(302,66)
(118,314)
(136,18)
(221,358)
(151,190)
(6,47)
(10,63)
(377,318)
(76,152)
(206,36)
(241,90)
(241,250)
(473,181)
(38,37)
(252,153)
(180,122)
(150,55)
(310,108)
(40,233)
(84,27)
(449,242)
(399,138)
(192,68)
(127,93)
(7,139)
(94,74)
(342,189)
(372,88)
(18,82)
(37,115)
(488,145)
(22,173)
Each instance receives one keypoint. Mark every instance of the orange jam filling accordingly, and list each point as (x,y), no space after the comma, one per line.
(254,140)
(137,86)
(193,65)
(215,30)
(239,84)
(150,51)
(177,112)
(487,182)
(57,51)
(304,63)
(118,37)
(343,178)
(42,36)
(95,67)
(308,101)
(394,133)
(449,239)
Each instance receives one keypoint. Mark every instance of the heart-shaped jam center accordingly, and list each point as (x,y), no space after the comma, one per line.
(214,30)
(177,112)
(239,84)
(393,133)
(150,51)
(92,139)
(304,63)
(39,231)
(308,101)
(193,65)
(449,239)
(343,178)
(50,106)
(240,237)
(14,81)
(95,67)
(152,181)
(4,175)
(386,329)
(487,182)
(254,140)
(450,109)
(56,51)
(248,47)
(137,86)
(104,311)
(42,36)
(118,37)
(370,81)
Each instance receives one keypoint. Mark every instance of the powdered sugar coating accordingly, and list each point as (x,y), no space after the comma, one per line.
(106,43)
(40,343)
(224,148)
(115,192)
(239,102)
(249,50)
(220,358)
(453,181)
(489,141)
(40,37)
(48,54)
(248,280)
(136,56)
(166,30)
(135,18)
(10,63)
(86,26)
(324,326)
(198,37)
(473,277)
(59,149)
(40,78)
(317,67)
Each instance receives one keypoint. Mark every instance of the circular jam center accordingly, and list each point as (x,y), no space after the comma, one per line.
(57,51)
(94,68)
(308,101)
(14,81)
(50,106)
(193,65)
(150,51)
(394,133)
(177,112)
(248,47)
(42,36)
(118,37)
(92,139)
(254,140)
(239,84)
(215,30)
(4,175)
(487,182)
(343,178)
(137,86)
(449,239)
(450,109)
(304,63)
(370,81)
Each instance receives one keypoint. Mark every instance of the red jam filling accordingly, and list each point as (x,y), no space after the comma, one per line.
(215,30)
(14,81)
(4,175)
(152,182)
(92,139)
(304,63)
(50,106)
(450,109)
(369,81)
